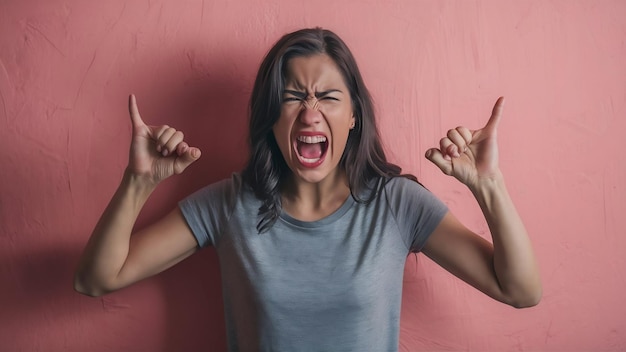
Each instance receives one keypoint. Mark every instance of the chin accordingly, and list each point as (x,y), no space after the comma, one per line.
(310,176)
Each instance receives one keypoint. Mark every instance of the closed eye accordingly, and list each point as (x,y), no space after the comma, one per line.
(293,95)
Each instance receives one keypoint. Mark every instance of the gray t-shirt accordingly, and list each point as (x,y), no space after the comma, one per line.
(329,285)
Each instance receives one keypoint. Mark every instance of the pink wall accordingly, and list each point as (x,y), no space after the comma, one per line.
(66,68)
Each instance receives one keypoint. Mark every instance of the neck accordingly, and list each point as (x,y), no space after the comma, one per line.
(314,201)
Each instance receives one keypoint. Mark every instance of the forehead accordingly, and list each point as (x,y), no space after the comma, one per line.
(315,71)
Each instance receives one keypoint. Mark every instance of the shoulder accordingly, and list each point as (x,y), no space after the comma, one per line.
(417,211)
(405,196)
(402,186)
(209,210)
(222,195)
(227,187)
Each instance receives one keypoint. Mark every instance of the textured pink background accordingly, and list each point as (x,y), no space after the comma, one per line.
(66,68)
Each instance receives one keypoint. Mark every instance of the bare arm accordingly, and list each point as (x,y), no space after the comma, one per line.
(113,258)
(505,270)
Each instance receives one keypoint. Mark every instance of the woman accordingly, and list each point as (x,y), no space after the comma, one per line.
(312,236)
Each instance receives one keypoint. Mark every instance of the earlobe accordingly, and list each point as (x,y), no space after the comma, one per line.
(353,123)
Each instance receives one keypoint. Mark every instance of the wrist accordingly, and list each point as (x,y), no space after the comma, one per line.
(491,194)
(487,184)
(139,184)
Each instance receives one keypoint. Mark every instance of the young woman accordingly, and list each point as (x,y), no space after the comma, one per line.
(313,235)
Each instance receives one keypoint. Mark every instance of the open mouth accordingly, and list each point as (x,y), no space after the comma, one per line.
(311,149)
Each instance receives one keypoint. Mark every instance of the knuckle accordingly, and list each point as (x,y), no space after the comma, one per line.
(163,128)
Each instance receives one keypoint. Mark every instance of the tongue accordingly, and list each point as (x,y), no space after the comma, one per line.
(310,150)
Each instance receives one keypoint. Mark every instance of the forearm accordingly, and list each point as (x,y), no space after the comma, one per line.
(108,246)
(513,258)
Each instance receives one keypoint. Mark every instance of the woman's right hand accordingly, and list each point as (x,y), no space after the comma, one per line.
(157,152)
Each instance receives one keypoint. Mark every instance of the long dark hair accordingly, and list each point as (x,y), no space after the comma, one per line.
(363,160)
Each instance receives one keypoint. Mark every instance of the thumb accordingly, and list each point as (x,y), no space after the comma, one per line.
(436,157)
(496,114)
(187,158)
(135,117)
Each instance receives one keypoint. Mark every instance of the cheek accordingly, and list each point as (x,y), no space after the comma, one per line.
(338,115)
(340,135)
(282,134)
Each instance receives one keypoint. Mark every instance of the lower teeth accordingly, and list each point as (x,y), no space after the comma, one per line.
(310,160)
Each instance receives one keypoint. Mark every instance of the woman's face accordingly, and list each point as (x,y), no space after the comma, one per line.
(315,118)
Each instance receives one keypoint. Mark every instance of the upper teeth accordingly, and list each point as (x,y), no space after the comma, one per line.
(312,139)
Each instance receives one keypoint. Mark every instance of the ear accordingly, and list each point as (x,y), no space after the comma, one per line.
(352,122)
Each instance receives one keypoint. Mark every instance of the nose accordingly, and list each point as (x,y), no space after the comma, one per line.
(310,114)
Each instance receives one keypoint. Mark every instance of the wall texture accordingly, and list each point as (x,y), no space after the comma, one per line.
(66,68)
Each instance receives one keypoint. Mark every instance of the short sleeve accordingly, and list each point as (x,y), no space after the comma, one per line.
(417,211)
(207,210)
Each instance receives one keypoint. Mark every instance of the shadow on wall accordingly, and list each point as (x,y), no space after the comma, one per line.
(211,109)
(179,310)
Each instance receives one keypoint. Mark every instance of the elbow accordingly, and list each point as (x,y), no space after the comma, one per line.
(527,302)
(84,287)
(89,291)
(529,299)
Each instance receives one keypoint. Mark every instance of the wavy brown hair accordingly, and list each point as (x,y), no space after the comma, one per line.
(363,160)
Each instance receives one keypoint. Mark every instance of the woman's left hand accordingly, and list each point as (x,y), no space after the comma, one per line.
(470,156)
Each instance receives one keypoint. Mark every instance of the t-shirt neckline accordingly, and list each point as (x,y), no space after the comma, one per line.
(336,215)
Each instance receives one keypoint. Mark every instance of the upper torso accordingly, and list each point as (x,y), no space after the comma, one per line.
(328,285)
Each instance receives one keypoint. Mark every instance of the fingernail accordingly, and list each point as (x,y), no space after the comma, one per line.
(164,152)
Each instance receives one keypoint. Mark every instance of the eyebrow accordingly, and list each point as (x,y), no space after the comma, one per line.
(302,95)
